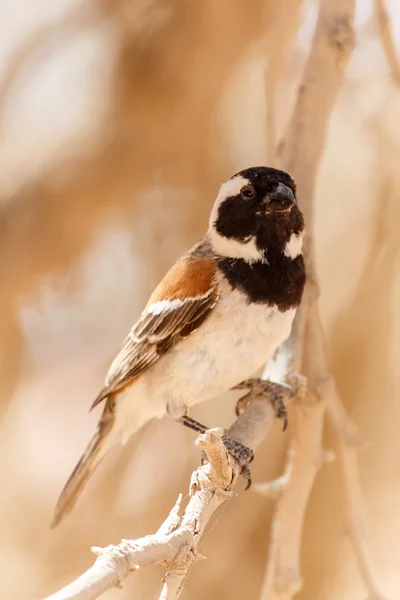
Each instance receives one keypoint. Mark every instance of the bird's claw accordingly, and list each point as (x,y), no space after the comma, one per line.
(275,392)
(242,454)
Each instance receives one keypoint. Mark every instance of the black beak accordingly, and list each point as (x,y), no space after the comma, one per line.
(282,199)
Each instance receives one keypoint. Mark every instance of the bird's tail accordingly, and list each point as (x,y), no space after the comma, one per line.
(104,438)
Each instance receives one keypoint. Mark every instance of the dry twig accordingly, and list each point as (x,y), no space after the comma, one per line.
(330,52)
(386,37)
(284,25)
(175,544)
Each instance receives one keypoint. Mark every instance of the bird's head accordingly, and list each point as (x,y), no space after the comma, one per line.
(255,212)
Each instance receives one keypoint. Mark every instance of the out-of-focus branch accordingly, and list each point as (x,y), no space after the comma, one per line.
(330,52)
(386,37)
(175,544)
(80,15)
(284,25)
(347,452)
(305,457)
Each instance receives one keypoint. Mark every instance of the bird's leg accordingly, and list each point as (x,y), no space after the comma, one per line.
(275,392)
(192,424)
(241,453)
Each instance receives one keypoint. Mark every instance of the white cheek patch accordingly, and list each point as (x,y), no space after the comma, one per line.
(225,246)
(294,245)
(234,249)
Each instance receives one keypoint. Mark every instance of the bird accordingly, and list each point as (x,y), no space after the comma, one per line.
(215,318)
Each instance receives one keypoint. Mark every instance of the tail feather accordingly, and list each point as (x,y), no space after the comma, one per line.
(101,442)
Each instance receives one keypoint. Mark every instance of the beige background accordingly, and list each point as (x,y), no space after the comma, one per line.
(119,120)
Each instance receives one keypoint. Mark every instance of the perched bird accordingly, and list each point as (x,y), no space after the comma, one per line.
(214,319)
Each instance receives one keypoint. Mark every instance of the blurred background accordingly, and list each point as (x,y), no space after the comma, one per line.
(118,122)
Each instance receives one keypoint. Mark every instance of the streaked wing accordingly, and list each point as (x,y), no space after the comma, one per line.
(161,326)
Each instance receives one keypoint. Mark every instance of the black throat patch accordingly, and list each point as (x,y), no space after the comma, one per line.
(278,282)
(239,220)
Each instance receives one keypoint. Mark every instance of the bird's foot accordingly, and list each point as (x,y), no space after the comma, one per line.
(241,453)
(275,392)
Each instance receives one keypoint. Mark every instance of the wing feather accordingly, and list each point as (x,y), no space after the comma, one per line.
(158,329)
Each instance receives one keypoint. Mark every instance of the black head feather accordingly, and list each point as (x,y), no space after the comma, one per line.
(264,209)
(264,178)
(257,210)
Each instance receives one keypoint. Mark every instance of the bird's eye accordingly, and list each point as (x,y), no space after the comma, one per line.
(248,192)
(271,188)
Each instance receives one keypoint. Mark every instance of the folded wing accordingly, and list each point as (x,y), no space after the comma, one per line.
(179,305)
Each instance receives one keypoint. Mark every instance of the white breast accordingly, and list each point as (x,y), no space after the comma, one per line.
(230,346)
(235,341)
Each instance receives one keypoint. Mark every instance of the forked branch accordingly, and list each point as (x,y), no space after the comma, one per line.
(175,545)
(331,49)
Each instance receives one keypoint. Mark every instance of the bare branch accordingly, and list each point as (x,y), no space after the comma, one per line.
(331,48)
(175,544)
(386,37)
(330,52)
(347,451)
(284,20)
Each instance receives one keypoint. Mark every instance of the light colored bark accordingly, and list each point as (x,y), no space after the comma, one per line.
(323,76)
(386,37)
(175,544)
(284,19)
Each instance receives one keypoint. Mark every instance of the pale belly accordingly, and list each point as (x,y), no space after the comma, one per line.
(230,346)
